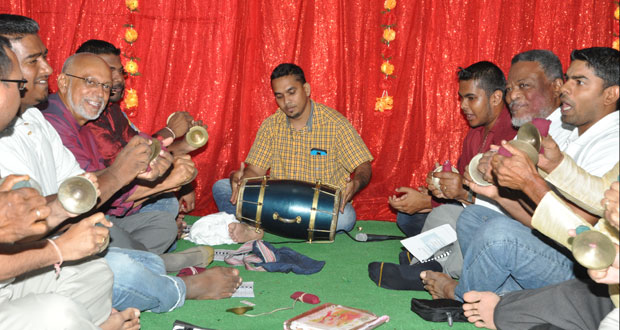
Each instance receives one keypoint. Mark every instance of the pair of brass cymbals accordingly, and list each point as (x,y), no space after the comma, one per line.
(528,140)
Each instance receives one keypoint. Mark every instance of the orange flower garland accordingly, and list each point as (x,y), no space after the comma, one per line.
(131,66)
(386,102)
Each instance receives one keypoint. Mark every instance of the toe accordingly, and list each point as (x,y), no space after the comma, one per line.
(471,296)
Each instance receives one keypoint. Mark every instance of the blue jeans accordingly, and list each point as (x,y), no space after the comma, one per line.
(140,281)
(222,192)
(411,224)
(502,255)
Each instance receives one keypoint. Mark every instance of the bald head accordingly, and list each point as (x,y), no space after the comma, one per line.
(84,86)
(81,60)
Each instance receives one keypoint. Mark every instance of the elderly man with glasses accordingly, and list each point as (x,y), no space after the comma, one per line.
(83,90)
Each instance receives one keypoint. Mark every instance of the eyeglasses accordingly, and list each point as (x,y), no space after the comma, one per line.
(21,84)
(91,83)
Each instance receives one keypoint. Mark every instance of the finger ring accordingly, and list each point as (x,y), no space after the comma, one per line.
(38,213)
(606,203)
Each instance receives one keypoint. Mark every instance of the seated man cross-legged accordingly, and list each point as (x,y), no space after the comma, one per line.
(315,126)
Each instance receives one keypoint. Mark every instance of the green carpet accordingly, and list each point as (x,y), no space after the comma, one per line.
(344,280)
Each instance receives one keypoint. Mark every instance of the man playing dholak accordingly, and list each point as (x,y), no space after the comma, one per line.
(285,143)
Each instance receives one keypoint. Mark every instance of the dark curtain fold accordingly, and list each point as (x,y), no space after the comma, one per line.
(213,58)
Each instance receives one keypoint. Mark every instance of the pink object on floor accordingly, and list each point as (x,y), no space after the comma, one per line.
(308,298)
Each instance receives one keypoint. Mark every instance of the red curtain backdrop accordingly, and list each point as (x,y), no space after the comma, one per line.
(213,58)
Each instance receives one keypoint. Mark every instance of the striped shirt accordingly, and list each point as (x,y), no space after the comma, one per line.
(327,149)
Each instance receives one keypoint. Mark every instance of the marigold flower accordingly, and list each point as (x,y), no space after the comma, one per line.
(131,35)
(384,103)
(131,98)
(617,13)
(131,4)
(389,4)
(131,67)
(616,44)
(389,34)
(387,68)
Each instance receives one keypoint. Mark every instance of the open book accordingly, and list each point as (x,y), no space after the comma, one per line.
(338,317)
(424,245)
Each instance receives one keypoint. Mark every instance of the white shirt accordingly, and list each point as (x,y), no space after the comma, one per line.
(596,150)
(33,147)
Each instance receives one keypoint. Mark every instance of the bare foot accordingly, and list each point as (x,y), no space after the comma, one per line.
(128,319)
(213,283)
(479,308)
(439,285)
(241,232)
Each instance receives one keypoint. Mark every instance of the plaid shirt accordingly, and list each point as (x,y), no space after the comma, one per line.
(328,148)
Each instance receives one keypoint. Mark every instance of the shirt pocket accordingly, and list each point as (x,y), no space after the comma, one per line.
(320,167)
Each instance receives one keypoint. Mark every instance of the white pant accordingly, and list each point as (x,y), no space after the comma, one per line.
(610,322)
(81,298)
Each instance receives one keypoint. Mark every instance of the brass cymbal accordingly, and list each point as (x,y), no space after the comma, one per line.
(475,175)
(77,194)
(240,310)
(192,178)
(530,134)
(593,250)
(531,152)
(197,136)
(155,149)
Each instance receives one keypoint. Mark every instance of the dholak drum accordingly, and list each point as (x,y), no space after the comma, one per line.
(290,208)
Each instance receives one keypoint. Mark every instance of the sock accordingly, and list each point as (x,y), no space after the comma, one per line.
(400,277)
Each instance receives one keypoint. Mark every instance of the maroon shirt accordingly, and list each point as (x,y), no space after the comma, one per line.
(81,142)
(111,131)
(476,143)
